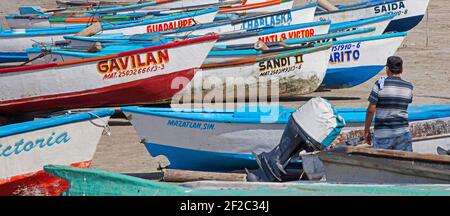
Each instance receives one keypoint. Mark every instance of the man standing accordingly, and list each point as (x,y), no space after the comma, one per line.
(389,102)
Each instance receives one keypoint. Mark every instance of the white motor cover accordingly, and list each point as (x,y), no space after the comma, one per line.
(319,120)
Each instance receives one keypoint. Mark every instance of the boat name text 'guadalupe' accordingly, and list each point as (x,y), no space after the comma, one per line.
(170,25)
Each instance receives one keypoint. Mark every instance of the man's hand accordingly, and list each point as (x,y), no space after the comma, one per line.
(371,109)
(368,137)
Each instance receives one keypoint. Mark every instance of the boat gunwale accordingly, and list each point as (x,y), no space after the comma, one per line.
(357,6)
(266,57)
(122,54)
(254,5)
(39,124)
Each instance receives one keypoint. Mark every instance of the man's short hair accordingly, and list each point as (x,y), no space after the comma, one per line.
(395,64)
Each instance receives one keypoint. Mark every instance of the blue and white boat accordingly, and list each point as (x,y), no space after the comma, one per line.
(352,61)
(222,140)
(69,139)
(409,13)
(115,43)
(306,30)
(19,40)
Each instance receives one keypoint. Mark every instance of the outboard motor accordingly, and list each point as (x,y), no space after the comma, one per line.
(313,127)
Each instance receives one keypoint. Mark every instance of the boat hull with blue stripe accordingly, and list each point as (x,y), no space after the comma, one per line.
(409,13)
(307,30)
(295,16)
(223,141)
(69,139)
(355,61)
(352,61)
(22,39)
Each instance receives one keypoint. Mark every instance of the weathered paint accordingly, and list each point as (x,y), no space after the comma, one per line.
(89,182)
(19,42)
(88,88)
(263,7)
(22,173)
(297,72)
(409,13)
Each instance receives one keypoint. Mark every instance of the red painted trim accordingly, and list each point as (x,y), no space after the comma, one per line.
(250,6)
(25,68)
(170,45)
(144,91)
(37,183)
(134,52)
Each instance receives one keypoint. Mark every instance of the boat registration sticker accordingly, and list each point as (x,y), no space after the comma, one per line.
(345,53)
(133,65)
(280,65)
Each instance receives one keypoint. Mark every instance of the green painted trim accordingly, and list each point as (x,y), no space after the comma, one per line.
(91,182)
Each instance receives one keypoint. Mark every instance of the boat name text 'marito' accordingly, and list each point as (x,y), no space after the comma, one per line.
(133,65)
(345,53)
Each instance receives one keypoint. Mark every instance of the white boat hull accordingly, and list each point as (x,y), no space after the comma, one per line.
(289,18)
(409,14)
(21,43)
(112,73)
(222,146)
(279,36)
(296,75)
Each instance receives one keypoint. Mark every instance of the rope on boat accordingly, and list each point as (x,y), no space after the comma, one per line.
(428,15)
(107,129)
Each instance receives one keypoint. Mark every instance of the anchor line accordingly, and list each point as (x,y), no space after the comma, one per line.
(107,129)
(44,52)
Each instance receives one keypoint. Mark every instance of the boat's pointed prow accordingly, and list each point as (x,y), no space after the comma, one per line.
(92,182)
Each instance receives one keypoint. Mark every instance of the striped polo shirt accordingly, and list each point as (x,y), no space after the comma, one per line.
(391,95)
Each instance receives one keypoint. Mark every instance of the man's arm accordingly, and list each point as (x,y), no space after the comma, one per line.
(369,117)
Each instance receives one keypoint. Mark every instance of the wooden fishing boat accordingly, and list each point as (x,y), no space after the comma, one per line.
(207,138)
(428,136)
(275,34)
(355,61)
(33,21)
(367,165)
(21,39)
(306,30)
(159,4)
(90,182)
(287,73)
(122,42)
(135,77)
(351,63)
(262,7)
(295,16)
(409,12)
(36,17)
(26,147)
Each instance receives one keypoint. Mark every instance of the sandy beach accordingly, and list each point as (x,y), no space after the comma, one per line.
(426,54)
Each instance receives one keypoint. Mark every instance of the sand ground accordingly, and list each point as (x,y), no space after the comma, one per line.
(426,54)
